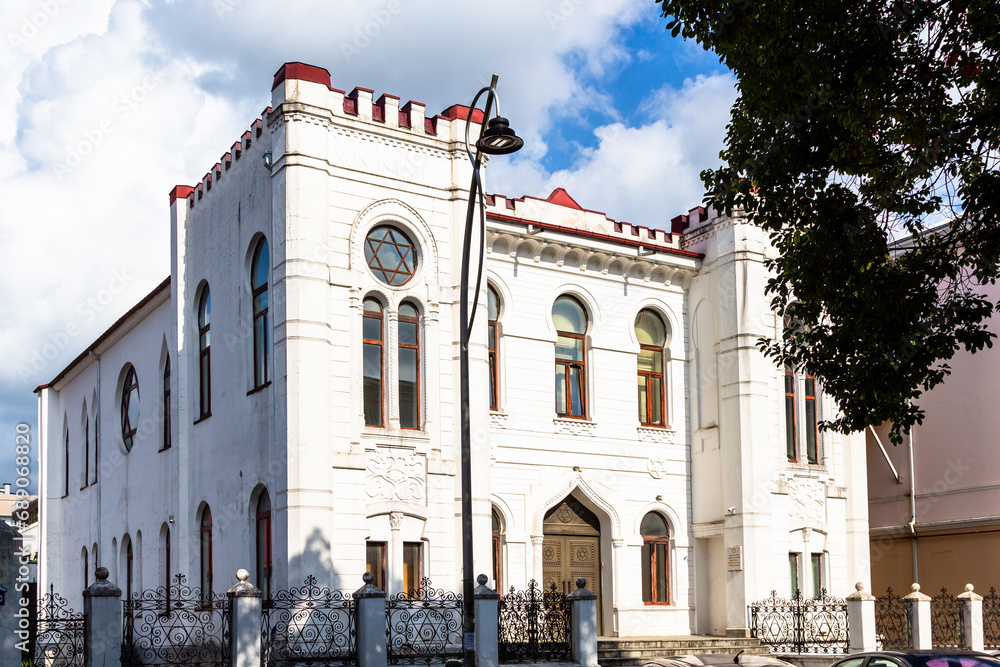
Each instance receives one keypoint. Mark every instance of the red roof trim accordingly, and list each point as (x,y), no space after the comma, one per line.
(165,285)
(180,192)
(594,235)
(302,72)
(561,197)
(461,112)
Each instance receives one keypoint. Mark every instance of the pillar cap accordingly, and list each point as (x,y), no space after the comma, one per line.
(917,595)
(969,594)
(244,589)
(369,590)
(484,592)
(581,592)
(859,593)
(102,588)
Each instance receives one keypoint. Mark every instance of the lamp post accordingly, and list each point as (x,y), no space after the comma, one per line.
(495,138)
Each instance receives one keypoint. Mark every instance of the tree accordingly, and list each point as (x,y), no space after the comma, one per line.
(859,124)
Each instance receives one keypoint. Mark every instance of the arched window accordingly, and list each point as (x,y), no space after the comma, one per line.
(409,367)
(497,552)
(570,321)
(66,463)
(86,568)
(800,407)
(130,407)
(86,451)
(166,404)
(651,333)
(259,266)
(206,554)
(205,354)
(264,561)
(373,362)
(655,559)
(128,569)
(493,308)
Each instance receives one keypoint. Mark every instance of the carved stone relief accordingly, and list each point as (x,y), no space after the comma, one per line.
(395,475)
(807,499)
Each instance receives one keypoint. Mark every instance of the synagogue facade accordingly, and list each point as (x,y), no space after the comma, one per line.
(286,401)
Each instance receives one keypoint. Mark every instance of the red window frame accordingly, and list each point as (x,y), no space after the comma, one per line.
(415,321)
(264,554)
(492,345)
(568,365)
(377,343)
(791,419)
(811,416)
(259,295)
(206,555)
(205,354)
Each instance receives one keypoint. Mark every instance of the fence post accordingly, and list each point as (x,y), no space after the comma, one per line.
(487,624)
(369,603)
(584,618)
(972,619)
(244,633)
(102,626)
(861,620)
(919,617)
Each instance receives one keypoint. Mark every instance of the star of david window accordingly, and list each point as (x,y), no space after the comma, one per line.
(391,255)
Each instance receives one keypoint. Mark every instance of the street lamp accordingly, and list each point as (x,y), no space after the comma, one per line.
(495,139)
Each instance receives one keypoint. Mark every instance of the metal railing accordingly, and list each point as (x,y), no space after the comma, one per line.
(801,625)
(308,625)
(534,625)
(424,625)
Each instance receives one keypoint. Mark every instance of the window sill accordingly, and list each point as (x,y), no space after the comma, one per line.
(575,426)
(259,387)
(203,418)
(657,434)
(163,449)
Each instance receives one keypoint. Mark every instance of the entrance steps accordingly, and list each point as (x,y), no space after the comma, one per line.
(633,651)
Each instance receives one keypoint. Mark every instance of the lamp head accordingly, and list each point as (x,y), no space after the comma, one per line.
(499,139)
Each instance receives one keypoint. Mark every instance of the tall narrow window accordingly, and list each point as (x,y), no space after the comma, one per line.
(86,569)
(66,464)
(166,559)
(264,562)
(570,321)
(205,354)
(816,565)
(206,555)
(412,568)
(493,308)
(375,562)
(86,452)
(812,455)
(652,336)
(166,404)
(128,570)
(497,552)
(130,408)
(409,367)
(791,438)
(259,267)
(794,560)
(373,362)
(655,559)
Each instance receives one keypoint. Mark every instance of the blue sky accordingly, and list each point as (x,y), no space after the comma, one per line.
(105,105)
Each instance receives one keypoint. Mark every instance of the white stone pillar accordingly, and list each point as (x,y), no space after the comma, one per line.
(487,624)
(536,559)
(102,611)
(584,619)
(861,619)
(919,616)
(370,620)
(245,609)
(972,618)
(621,574)
(394,559)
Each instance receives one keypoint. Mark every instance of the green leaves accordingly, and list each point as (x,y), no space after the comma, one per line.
(857,124)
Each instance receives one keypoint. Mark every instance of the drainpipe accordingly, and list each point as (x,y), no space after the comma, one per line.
(97,456)
(913,510)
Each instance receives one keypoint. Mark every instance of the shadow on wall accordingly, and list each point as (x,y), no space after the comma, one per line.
(313,560)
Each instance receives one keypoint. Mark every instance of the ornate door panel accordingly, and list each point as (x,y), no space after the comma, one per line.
(572,549)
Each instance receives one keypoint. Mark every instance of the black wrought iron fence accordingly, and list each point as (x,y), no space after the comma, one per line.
(892,626)
(947,628)
(174,626)
(424,625)
(534,625)
(801,625)
(59,642)
(991,619)
(309,626)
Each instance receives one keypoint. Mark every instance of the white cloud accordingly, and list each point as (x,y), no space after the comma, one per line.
(106,104)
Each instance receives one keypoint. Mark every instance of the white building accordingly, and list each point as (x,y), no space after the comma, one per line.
(287,400)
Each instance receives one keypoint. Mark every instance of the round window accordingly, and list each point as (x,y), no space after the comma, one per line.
(391,255)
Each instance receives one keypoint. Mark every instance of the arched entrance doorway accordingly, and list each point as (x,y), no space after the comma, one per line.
(571,549)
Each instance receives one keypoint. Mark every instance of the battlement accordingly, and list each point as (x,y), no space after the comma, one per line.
(560,212)
(693,219)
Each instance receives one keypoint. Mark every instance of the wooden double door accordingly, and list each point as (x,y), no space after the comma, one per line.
(572,549)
